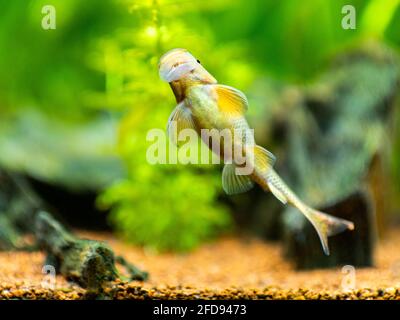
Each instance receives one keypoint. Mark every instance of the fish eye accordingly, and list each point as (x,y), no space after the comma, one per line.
(198,61)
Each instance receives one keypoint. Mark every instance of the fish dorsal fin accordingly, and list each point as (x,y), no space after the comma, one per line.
(180,118)
(278,194)
(231,100)
(233,183)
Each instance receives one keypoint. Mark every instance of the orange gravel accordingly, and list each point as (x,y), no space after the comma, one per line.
(227,268)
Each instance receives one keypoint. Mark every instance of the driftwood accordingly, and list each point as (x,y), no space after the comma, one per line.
(331,140)
(18,205)
(336,150)
(89,263)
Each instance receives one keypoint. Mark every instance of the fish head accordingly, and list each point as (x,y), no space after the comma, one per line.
(179,64)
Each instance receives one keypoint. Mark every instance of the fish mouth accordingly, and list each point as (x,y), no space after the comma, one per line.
(175,72)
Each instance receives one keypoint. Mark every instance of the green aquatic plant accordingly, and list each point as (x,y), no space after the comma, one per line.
(170,206)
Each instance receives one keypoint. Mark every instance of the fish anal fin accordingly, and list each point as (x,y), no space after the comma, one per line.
(233,183)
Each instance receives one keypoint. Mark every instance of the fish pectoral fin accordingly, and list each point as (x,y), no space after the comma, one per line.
(230,100)
(278,194)
(180,119)
(263,159)
(233,183)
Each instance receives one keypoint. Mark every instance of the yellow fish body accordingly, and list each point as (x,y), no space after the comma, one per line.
(205,104)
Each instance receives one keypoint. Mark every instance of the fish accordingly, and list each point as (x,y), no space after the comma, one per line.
(204,105)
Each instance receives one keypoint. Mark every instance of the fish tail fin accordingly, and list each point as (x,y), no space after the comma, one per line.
(326,225)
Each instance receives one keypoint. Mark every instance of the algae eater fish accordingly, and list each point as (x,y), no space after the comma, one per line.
(205,104)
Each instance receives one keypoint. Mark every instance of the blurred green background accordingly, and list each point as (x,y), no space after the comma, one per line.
(76,102)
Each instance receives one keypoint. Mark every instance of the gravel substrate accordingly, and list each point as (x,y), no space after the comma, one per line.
(231,268)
